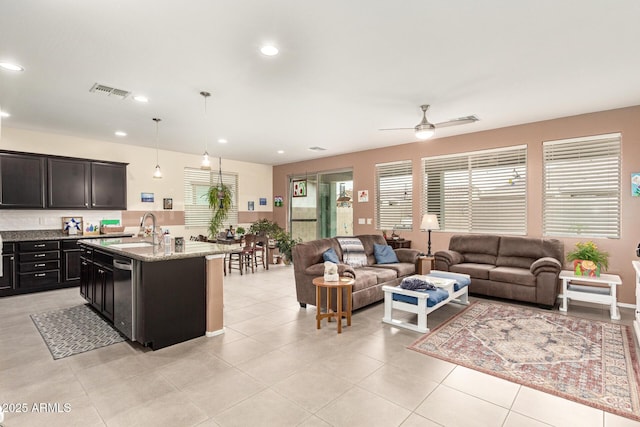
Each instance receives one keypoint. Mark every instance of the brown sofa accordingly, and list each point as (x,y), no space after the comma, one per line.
(518,268)
(308,264)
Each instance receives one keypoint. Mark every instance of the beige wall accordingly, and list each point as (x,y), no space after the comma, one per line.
(254,180)
(625,120)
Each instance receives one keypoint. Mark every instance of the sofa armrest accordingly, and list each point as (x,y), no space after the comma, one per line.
(448,257)
(343,270)
(546,264)
(407,255)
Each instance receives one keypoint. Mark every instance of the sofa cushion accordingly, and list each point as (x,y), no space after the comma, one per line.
(352,251)
(476,271)
(330,255)
(519,276)
(372,276)
(401,268)
(477,249)
(434,298)
(384,254)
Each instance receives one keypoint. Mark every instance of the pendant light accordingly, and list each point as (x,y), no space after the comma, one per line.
(157,174)
(206,163)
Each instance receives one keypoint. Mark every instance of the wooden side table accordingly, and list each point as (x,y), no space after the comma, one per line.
(425,265)
(399,243)
(343,283)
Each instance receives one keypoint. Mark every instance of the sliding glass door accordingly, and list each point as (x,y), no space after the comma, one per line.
(321,205)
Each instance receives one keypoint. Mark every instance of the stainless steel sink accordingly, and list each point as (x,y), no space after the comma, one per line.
(131,245)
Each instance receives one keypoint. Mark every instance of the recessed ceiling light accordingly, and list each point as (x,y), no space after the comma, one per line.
(222,141)
(4,114)
(280,151)
(11,67)
(269,50)
(141,98)
(120,133)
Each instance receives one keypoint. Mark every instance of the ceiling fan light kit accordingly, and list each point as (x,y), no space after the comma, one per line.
(425,129)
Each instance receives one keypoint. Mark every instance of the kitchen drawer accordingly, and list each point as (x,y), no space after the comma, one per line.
(71,244)
(8,248)
(39,256)
(26,267)
(39,246)
(38,279)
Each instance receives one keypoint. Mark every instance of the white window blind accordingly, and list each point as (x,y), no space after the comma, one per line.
(196,205)
(483,191)
(582,187)
(394,196)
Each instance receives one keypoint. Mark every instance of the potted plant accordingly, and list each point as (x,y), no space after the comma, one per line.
(588,260)
(285,244)
(265,227)
(240,231)
(220,200)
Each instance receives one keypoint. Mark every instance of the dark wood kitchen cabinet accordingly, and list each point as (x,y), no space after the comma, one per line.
(38,265)
(22,181)
(96,283)
(8,279)
(108,185)
(70,260)
(68,183)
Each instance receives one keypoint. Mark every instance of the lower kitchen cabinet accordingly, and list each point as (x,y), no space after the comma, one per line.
(96,281)
(38,265)
(70,261)
(8,279)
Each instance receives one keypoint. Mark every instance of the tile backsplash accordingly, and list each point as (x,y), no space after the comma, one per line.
(17,220)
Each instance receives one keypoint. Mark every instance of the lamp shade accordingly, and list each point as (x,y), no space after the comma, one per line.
(429,222)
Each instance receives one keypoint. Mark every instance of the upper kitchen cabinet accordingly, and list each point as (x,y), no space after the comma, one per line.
(22,181)
(69,183)
(108,185)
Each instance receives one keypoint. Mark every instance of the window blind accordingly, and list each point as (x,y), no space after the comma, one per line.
(196,205)
(394,196)
(581,185)
(483,191)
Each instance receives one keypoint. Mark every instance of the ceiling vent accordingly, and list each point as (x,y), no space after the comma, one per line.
(316,148)
(109,91)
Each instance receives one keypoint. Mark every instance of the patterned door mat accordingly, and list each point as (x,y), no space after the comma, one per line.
(587,361)
(74,330)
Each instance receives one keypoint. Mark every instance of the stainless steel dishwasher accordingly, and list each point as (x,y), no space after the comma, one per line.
(124,297)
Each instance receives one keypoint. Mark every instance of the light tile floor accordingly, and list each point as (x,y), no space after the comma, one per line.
(270,368)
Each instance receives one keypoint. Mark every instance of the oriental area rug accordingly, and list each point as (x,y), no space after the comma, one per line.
(587,361)
(74,330)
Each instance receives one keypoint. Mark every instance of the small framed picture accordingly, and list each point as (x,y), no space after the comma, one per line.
(363,196)
(167,203)
(250,205)
(300,188)
(635,184)
(146,197)
(263,201)
(277,201)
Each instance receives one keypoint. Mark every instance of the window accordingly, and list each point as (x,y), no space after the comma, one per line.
(480,192)
(394,196)
(581,185)
(196,205)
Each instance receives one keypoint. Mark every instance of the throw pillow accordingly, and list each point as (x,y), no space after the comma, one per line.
(330,255)
(352,251)
(384,254)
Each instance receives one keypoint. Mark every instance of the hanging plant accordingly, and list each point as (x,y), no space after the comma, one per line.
(220,201)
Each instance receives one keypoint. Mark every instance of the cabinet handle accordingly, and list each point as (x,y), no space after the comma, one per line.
(40,275)
(84,263)
(41,245)
(100,271)
(86,204)
(39,255)
(40,265)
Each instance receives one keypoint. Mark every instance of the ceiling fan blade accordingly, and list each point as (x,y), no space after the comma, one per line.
(459,121)
(396,129)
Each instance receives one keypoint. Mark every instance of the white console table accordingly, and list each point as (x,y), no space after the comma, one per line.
(636,320)
(581,288)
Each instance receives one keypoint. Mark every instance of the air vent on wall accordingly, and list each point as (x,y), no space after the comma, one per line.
(109,91)
(316,148)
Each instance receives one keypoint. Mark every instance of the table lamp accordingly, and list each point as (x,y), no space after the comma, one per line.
(429,222)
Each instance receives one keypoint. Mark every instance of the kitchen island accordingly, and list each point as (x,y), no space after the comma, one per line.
(154,295)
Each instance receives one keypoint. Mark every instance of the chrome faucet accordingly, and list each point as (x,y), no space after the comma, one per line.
(154,237)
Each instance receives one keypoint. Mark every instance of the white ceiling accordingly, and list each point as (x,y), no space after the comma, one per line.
(346,68)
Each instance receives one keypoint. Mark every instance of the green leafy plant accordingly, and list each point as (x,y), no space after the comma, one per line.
(220,201)
(285,243)
(240,230)
(589,251)
(265,227)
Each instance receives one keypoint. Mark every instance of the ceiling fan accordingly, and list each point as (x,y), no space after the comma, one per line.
(425,129)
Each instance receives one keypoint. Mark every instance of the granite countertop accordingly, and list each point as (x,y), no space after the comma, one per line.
(28,235)
(150,253)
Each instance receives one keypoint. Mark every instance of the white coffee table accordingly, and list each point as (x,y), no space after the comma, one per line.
(460,296)
(581,288)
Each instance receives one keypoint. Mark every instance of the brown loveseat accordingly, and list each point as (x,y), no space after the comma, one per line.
(308,264)
(519,268)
